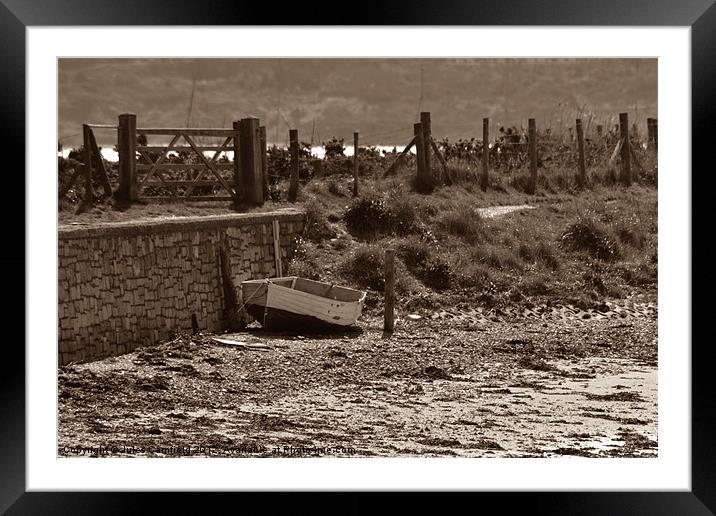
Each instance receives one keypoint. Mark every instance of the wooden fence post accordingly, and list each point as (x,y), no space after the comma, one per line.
(389,304)
(317,165)
(87,157)
(250,161)
(655,132)
(356,135)
(238,182)
(293,187)
(419,157)
(427,158)
(532,185)
(649,133)
(625,150)
(600,130)
(582,178)
(128,189)
(264,161)
(484,177)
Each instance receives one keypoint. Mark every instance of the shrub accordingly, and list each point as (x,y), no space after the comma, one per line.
(334,148)
(402,216)
(365,268)
(335,188)
(436,274)
(630,232)
(414,253)
(304,268)
(279,162)
(303,262)
(589,235)
(316,226)
(367,217)
(418,258)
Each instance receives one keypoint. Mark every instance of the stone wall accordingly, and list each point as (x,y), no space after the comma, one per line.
(123,285)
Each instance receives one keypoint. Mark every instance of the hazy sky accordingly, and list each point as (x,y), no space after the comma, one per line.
(333,97)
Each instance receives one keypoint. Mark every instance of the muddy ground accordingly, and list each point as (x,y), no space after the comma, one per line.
(541,386)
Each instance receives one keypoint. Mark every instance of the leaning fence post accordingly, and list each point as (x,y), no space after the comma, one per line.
(419,157)
(389,303)
(356,135)
(484,178)
(127,149)
(532,185)
(427,137)
(264,161)
(582,178)
(625,150)
(293,187)
(87,156)
(250,161)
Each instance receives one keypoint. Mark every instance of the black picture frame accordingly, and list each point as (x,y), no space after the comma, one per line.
(16,15)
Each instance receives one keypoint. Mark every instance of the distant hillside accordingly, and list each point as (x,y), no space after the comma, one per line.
(333,97)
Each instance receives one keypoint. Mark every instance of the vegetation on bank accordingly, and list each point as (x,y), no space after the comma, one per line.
(576,246)
(579,244)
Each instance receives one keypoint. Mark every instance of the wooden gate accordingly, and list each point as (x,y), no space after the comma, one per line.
(180,170)
(187,175)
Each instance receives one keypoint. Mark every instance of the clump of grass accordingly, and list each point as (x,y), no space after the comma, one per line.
(365,268)
(414,253)
(539,252)
(498,257)
(630,232)
(317,227)
(420,260)
(594,278)
(402,216)
(464,222)
(590,235)
(472,275)
(462,171)
(520,182)
(536,285)
(335,188)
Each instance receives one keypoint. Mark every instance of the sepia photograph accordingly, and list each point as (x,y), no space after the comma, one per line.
(357,257)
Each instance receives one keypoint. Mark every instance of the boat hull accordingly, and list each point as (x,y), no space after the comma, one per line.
(273,319)
(299,304)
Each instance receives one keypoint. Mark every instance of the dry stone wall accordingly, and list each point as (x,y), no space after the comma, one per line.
(125,285)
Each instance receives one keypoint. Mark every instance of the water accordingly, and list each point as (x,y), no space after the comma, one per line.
(319,152)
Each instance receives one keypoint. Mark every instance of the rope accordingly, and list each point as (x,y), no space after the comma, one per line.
(267,280)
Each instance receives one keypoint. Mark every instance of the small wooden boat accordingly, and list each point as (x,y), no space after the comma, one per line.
(293,303)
